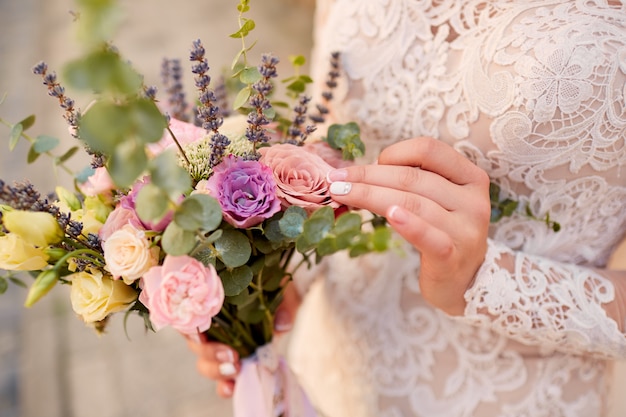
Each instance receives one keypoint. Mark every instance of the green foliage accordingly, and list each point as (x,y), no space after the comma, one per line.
(177,241)
(506,207)
(347,138)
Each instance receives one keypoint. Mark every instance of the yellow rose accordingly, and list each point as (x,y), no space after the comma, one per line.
(35,227)
(18,255)
(94,296)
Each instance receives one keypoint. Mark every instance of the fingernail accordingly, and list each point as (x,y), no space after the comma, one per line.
(397,215)
(282,321)
(336,175)
(340,188)
(227,369)
(225,356)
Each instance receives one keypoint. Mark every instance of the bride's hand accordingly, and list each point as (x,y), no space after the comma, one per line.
(220,362)
(437,200)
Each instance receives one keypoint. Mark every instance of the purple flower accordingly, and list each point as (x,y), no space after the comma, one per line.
(246,191)
(128,202)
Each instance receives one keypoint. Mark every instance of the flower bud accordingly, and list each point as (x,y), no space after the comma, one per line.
(35,227)
(54,254)
(67,197)
(44,283)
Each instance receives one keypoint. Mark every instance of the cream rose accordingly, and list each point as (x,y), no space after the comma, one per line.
(129,254)
(300,176)
(18,255)
(94,296)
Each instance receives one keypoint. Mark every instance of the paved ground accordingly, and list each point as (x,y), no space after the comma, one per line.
(51,365)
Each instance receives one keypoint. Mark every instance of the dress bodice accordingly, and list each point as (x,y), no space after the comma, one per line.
(533,92)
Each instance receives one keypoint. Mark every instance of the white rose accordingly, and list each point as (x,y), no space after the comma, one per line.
(129,254)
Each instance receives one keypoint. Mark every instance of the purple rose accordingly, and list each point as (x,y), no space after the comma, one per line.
(246,191)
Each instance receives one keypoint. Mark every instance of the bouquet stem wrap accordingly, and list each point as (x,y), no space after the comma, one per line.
(266,387)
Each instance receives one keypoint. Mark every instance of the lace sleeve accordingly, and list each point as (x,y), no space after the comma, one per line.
(537,301)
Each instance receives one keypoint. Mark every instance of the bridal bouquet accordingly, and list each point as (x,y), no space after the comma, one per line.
(192,216)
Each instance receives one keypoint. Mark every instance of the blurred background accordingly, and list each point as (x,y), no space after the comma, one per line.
(51,364)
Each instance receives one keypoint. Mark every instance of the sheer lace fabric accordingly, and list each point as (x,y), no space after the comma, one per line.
(534,92)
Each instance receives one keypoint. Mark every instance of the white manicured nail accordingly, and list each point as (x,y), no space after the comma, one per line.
(227,369)
(340,187)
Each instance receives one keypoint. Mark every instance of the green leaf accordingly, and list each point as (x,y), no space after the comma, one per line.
(241,299)
(273,233)
(18,282)
(508,207)
(32,155)
(27,122)
(236,280)
(381,238)
(347,222)
(244,30)
(251,313)
(104,126)
(203,212)
(176,241)
(127,163)
(494,192)
(45,143)
(250,75)
(147,121)
(297,60)
(16,133)
(292,222)
(297,86)
(84,173)
(327,246)
(319,224)
(233,248)
(166,174)
(151,203)
(347,138)
(4,285)
(242,98)
(67,155)
(103,71)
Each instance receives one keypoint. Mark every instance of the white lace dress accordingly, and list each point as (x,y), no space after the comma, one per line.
(534,92)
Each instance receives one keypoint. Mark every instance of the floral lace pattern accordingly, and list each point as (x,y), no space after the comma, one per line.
(533,92)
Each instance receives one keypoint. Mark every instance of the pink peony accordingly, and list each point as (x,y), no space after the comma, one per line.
(99,183)
(246,191)
(183,294)
(118,218)
(128,202)
(185,133)
(300,176)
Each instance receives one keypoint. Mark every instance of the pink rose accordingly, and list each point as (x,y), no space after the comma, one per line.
(300,176)
(129,202)
(117,219)
(185,133)
(183,294)
(99,183)
(331,156)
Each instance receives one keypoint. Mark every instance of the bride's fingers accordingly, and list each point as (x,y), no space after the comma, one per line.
(435,156)
(425,237)
(378,200)
(403,178)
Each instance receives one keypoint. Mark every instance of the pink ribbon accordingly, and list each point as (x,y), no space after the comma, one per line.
(266,387)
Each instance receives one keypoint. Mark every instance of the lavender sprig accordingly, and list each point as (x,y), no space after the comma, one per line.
(327,95)
(208,111)
(297,133)
(172,74)
(257,120)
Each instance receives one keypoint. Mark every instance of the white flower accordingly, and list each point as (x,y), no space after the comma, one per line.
(129,254)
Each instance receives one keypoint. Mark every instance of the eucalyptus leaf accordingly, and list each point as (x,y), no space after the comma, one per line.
(242,98)
(245,29)
(127,163)
(4,285)
(233,248)
(27,122)
(103,70)
(201,211)
(292,222)
(250,75)
(236,280)
(151,204)
(16,133)
(347,138)
(147,120)
(320,223)
(348,222)
(166,174)
(241,299)
(204,255)
(273,233)
(68,154)
(32,155)
(85,173)
(327,246)
(44,143)
(18,282)
(104,126)
(380,239)
(297,60)
(176,241)
(251,313)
